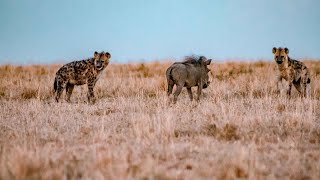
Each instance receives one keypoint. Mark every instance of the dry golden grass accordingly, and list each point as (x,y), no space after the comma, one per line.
(239,129)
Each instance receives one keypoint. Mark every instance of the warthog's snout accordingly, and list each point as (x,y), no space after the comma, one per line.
(206,85)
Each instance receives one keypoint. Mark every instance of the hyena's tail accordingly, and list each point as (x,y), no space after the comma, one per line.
(308,81)
(55,86)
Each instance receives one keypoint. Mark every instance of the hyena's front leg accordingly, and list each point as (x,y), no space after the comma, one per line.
(289,89)
(279,80)
(91,84)
(69,89)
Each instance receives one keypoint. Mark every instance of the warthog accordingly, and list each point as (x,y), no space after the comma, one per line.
(189,73)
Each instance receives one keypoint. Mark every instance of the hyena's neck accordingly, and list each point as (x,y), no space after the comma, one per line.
(91,60)
(290,62)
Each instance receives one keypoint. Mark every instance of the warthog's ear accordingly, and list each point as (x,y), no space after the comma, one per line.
(286,50)
(108,55)
(274,50)
(95,54)
(208,61)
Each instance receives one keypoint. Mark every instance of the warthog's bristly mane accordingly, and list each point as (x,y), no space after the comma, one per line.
(193,59)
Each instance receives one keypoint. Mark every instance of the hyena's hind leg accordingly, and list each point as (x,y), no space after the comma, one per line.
(69,89)
(306,83)
(308,88)
(305,80)
(61,85)
(298,87)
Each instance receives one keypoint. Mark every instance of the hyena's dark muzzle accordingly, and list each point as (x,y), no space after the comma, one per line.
(99,64)
(279,60)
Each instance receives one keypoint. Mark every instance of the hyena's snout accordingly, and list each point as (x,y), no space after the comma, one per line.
(99,66)
(279,60)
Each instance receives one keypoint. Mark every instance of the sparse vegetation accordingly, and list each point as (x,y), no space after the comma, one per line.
(240,129)
(29,93)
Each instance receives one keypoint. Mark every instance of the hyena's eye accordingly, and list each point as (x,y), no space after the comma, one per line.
(282,57)
(277,57)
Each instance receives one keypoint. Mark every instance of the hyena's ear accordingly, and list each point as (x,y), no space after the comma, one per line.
(95,54)
(108,55)
(286,50)
(208,61)
(274,50)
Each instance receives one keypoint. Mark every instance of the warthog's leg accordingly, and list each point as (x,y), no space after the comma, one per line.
(176,94)
(60,87)
(190,93)
(199,91)
(170,87)
(69,89)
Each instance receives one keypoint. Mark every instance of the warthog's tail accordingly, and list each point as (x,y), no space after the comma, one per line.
(55,86)
(169,74)
(169,80)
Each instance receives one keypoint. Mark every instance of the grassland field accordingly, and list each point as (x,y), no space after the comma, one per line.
(240,129)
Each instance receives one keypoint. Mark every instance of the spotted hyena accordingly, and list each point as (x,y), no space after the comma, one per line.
(79,73)
(293,71)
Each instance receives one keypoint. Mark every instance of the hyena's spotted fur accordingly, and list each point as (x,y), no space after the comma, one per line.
(293,71)
(79,73)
